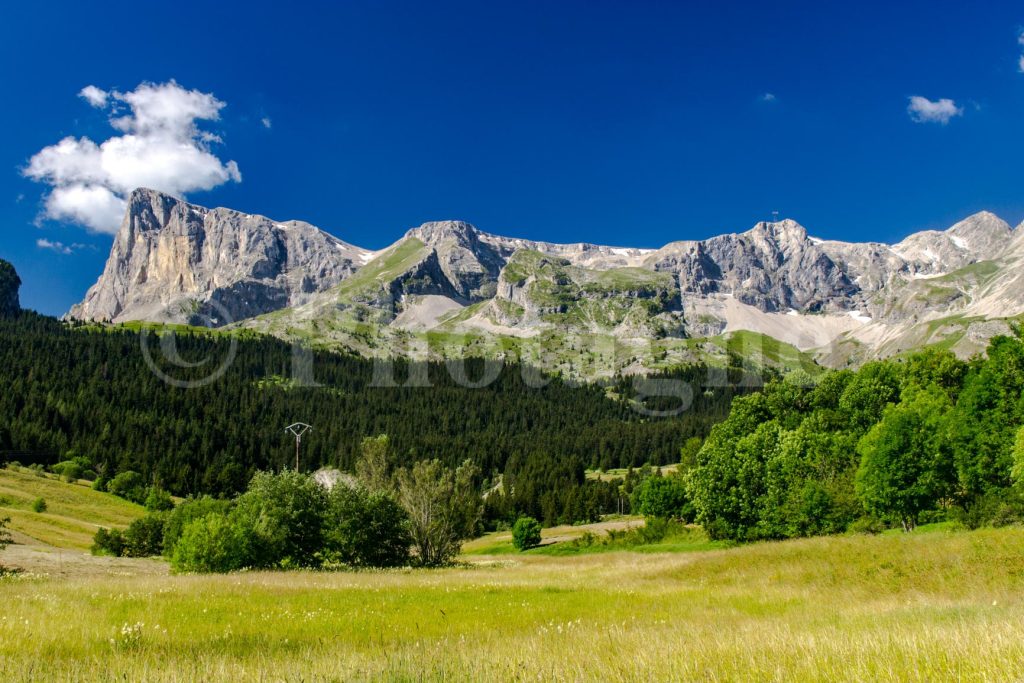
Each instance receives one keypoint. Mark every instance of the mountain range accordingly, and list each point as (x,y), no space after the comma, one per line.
(446,289)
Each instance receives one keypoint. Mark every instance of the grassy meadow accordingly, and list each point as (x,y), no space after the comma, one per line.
(73,511)
(945,605)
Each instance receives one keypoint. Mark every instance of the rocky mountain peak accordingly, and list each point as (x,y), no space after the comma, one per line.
(433,233)
(172,261)
(786,230)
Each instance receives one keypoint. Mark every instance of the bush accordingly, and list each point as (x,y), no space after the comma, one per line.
(100,484)
(73,469)
(39,505)
(281,516)
(108,542)
(867,525)
(188,511)
(158,500)
(128,485)
(525,533)
(144,537)
(211,544)
(5,536)
(664,497)
(365,529)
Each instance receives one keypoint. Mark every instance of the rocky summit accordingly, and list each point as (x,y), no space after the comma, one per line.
(446,289)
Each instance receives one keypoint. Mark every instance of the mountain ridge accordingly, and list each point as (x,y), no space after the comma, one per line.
(453,288)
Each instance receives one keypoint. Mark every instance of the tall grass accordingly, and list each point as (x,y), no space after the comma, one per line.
(927,607)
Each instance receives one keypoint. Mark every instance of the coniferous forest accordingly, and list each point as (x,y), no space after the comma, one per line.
(75,391)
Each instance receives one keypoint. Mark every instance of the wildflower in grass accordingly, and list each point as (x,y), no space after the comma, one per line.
(129,637)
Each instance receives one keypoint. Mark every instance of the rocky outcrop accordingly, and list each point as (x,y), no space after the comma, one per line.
(9,286)
(176,262)
(774,267)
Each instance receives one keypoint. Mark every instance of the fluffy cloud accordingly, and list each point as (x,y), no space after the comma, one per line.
(923,110)
(94,96)
(1020,62)
(768,97)
(267,123)
(58,247)
(160,147)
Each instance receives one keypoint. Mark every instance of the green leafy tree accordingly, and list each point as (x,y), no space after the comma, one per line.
(728,484)
(664,497)
(158,500)
(373,469)
(189,510)
(211,544)
(144,537)
(108,542)
(365,528)
(128,485)
(282,517)
(444,507)
(905,466)
(525,533)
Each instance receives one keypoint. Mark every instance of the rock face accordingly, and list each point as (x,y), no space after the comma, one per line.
(9,285)
(774,267)
(841,301)
(175,262)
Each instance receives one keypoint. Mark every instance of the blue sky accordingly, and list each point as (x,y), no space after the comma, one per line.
(627,123)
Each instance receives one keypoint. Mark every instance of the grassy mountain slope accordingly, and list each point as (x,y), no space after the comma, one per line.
(73,510)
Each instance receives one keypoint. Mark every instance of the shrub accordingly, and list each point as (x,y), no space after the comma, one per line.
(39,505)
(281,516)
(5,536)
(365,528)
(68,470)
(188,511)
(867,525)
(100,484)
(108,542)
(144,537)
(210,544)
(526,533)
(158,500)
(128,485)
(664,497)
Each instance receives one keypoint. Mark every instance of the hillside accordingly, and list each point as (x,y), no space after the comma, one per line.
(73,510)
(97,392)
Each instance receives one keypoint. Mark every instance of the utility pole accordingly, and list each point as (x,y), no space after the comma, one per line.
(298,429)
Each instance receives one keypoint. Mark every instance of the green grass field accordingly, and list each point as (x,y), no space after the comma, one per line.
(73,511)
(937,604)
(927,607)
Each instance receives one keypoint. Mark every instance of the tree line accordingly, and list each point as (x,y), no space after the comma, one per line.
(896,443)
(76,393)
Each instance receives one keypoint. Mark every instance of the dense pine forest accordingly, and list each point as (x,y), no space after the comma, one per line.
(86,392)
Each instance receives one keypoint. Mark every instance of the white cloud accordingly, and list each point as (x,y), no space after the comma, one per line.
(94,96)
(58,247)
(266,122)
(1020,41)
(161,148)
(768,97)
(923,110)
